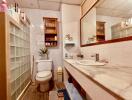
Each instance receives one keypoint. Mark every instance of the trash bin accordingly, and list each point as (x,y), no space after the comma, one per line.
(60,74)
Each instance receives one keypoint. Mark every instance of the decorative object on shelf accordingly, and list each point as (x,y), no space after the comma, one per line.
(23,16)
(44,53)
(3,6)
(68,37)
(91,39)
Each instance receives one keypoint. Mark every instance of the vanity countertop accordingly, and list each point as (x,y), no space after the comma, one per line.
(117,79)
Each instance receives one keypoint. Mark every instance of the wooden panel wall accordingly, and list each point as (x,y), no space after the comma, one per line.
(3,81)
(87,5)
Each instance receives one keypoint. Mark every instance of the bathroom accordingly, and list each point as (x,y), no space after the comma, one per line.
(65,49)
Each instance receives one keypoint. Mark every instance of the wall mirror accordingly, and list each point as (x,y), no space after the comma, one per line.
(107,21)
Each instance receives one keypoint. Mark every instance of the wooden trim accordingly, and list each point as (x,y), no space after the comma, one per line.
(89,9)
(83,2)
(24,91)
(109,41)
(118,97)
(3,75)
(50,18)
(83,17)
(7,22)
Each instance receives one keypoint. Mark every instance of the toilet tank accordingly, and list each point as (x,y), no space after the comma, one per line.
(44,65)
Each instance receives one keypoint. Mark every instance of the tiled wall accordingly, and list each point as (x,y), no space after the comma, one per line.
(116,53)
(37,34)
(71,25)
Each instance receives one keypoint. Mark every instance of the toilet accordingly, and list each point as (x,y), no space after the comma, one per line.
(44,74)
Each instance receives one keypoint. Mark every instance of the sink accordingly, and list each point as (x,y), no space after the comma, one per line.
(90,63)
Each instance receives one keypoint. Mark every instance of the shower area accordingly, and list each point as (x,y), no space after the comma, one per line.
(15,66)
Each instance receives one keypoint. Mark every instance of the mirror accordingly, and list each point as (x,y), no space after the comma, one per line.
(106,22)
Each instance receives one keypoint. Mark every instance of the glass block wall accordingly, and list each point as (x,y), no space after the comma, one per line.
(20,58)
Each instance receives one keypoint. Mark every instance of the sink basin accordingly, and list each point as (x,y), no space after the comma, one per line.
(90,63)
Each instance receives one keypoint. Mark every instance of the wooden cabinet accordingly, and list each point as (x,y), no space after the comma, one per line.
(14,57)
(51,31)
(100,31)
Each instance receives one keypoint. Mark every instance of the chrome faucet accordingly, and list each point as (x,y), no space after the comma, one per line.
(96,55)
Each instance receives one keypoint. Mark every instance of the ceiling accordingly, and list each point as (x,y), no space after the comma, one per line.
(45,4)
(115,8)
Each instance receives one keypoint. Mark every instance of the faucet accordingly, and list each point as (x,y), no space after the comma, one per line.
(96,55)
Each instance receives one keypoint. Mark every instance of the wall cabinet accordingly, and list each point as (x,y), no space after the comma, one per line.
(51,31)
(100,31)
(14,57)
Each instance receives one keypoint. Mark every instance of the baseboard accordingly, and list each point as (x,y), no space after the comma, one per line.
(24,91)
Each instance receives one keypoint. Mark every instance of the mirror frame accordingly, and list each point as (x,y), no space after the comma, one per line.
(101,42)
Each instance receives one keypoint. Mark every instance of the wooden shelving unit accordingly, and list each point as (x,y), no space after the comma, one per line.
(51,32)
(100,31)
(15,59)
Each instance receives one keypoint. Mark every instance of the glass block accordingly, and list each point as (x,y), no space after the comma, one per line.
(13,75)
(18,91)
(12,52)
(12,39)
(13,64)
(13,87)
(13,97)
(12,29)
(17,32)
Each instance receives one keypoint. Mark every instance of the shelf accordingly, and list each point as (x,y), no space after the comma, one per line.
(51,40)
(69,43)
(100,35)
(50,32)
(51,46)
(100,31)
(71,92)
(53,27)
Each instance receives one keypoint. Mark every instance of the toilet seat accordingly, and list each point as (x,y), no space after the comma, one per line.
(43,76)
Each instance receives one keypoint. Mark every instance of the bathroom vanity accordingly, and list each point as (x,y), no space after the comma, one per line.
(100,82)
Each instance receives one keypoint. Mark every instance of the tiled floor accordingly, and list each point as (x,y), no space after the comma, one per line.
(33,94)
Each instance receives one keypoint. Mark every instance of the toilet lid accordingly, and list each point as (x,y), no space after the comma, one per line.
(43,74)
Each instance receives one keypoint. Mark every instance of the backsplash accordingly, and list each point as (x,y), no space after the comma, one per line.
(116,53)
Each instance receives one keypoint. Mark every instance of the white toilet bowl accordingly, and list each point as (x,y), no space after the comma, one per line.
(44,74)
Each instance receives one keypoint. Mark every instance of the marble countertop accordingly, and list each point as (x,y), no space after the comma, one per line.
(118,79)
